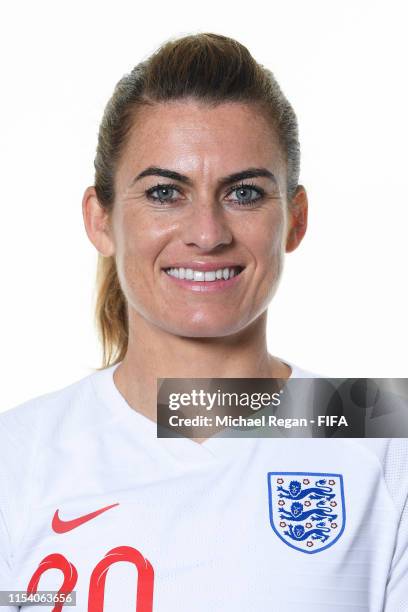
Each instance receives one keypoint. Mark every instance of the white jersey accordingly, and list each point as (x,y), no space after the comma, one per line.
(93,502)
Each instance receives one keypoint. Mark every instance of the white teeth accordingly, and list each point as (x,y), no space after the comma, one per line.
(200,275)
(209,276)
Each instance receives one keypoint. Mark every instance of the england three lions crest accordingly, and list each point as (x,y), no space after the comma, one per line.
(307,509)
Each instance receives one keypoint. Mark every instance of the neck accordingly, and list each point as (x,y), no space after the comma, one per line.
(154,353)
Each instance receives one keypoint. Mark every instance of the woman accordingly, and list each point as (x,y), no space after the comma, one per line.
(196,200)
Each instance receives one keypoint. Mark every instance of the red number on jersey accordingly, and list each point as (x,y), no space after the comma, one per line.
(145,578)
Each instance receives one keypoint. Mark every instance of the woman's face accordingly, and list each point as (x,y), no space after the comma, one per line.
(200,195)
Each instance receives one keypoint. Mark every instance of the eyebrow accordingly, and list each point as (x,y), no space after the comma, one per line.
(226,180)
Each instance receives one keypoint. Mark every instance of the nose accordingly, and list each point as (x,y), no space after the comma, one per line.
(206,226)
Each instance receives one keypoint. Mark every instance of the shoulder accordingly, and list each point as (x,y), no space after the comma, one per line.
(46,414)
(79,405)
(29,430)
(392,457)
(381,468)
(31,426)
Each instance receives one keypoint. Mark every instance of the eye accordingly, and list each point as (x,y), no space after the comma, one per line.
(245,194)
(163,193)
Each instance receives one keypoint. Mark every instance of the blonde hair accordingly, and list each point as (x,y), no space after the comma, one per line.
(208,67)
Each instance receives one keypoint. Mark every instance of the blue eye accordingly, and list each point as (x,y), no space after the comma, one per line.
(162,193)
(246,194)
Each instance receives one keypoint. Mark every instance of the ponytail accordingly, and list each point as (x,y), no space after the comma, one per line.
(110,312)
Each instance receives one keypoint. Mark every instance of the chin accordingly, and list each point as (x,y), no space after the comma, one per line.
(202,327)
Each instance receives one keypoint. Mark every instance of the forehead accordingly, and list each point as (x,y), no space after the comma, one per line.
(195,138)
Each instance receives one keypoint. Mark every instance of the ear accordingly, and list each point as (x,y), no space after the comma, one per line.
(297,224)
(97,223)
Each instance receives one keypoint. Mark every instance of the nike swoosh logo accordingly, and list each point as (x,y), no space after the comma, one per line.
(60,526)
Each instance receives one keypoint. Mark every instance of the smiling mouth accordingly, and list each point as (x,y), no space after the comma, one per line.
(208,276)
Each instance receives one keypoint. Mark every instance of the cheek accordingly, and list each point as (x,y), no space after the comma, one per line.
(138,243)
(265,240)
(267,248)
(137,230)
